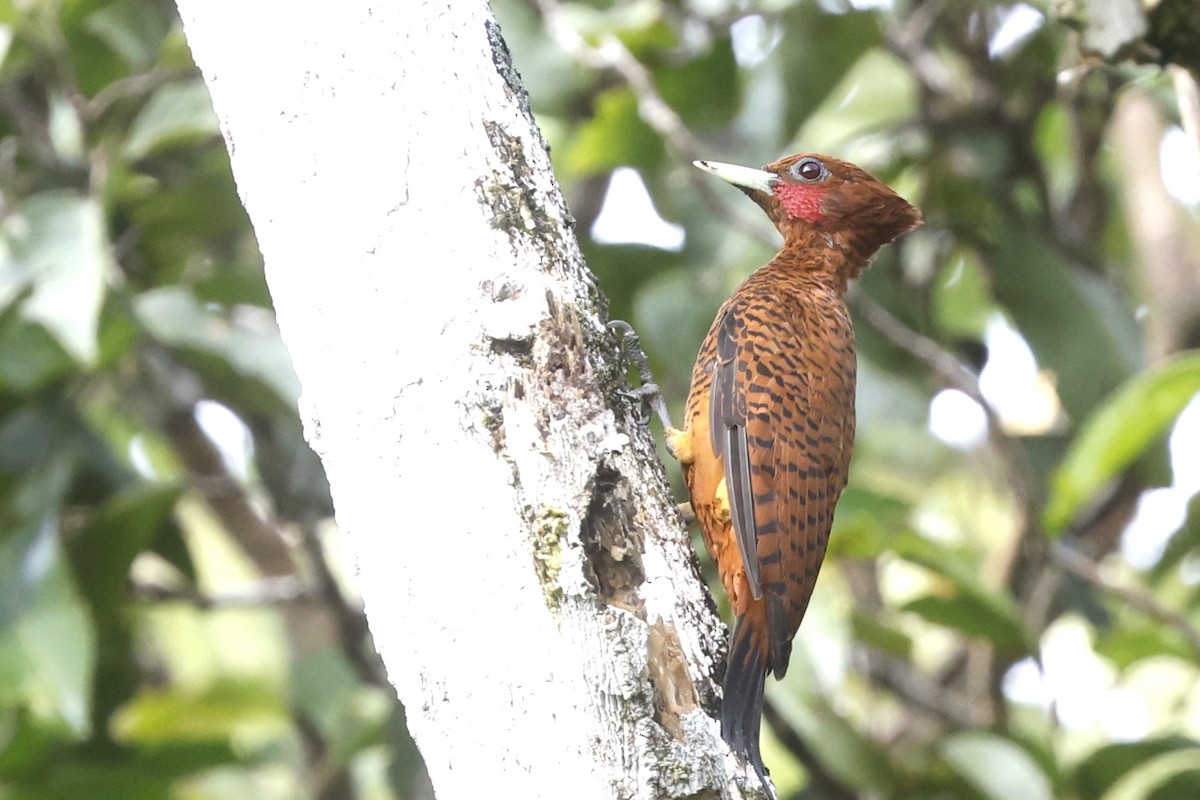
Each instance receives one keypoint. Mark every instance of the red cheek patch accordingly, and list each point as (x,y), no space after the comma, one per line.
(802,202)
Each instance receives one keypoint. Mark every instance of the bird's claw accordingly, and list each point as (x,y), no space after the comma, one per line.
(648,395)
(621,325)
(645,396)
(626,336)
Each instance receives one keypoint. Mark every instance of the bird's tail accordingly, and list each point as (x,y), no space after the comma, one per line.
(750,659)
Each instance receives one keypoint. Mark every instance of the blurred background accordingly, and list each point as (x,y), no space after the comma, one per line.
(1010,605)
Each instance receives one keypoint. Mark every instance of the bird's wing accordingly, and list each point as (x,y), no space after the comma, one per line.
(781,418)
(727,427)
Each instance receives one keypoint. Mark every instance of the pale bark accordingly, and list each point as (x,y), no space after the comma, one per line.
(526,578)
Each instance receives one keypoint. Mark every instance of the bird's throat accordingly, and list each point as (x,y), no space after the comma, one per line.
(801,202)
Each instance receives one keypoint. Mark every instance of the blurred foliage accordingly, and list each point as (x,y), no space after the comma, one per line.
(150,641)
(148,645)
(955,647)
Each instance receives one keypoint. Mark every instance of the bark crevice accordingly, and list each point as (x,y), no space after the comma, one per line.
(611,544)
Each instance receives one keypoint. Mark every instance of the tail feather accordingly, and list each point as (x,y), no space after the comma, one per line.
(781,630)
(745,677)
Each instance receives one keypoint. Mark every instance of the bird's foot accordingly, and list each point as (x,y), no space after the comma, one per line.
(687,512)
(648,394)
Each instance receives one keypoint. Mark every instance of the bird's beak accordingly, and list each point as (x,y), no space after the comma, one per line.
(747,178)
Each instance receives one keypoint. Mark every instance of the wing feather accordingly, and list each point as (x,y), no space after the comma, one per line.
(781,410)
(727,427)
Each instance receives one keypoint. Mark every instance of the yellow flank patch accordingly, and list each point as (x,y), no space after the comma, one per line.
(680,444)
(721,503)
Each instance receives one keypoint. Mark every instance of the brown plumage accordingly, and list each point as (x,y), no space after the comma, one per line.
(769,424)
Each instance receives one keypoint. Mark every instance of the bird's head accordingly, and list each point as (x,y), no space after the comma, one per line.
(813,198)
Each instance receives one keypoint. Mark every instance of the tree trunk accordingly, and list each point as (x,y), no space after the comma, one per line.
(526,578)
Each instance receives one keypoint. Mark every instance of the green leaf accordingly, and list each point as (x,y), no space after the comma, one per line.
(186,221)
(1128,422)
(324,686)
(855,758)
(639,23)
(869,630)
(844,751)
(232,286)
(176,113)
(1131,642)
(643,36)
(962,602)
(626,269)
(118,331)
(672,312)
(615,136)
(817,51)
(28,743)
(859,115)
(962,299)
(1058,149)
(866,522)
(134,30)
(1107,765)
(94,63)
(706,90)
(1074,321)
(997,767)
(32,450)
(972,614)
(225,709)
(47,646)
(32,357)
(174,316)
(125,525)
(1170,775)
(349,715)
(55,245)
(150,774)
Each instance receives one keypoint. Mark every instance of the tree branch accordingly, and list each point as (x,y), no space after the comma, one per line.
(613,55)
(827,785)
(526,579)
(931,695)
(1081,566)
(276,591)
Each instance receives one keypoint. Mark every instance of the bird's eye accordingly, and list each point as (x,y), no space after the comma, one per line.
(809,170)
